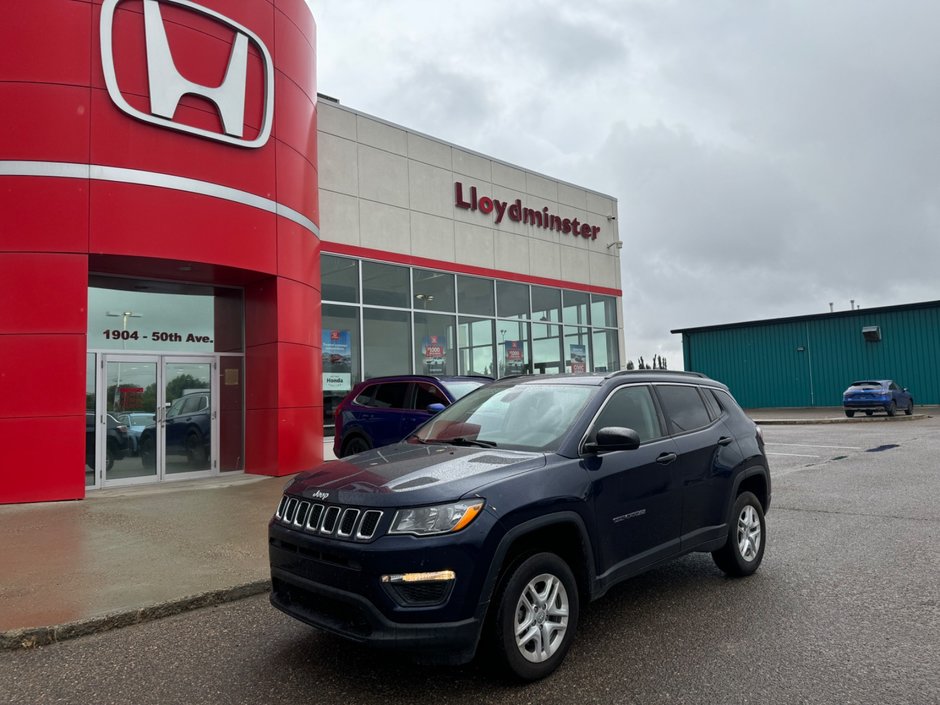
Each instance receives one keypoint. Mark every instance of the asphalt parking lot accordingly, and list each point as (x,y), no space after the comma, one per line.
(845,609)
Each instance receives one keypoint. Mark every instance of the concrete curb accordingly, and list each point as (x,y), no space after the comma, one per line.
(30,637)
(864,419)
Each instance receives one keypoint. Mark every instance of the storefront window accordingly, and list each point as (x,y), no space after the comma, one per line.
(475,341)
(340,355)
(604,311)
(606,351)
(513,353)
(434,344)
(127,314)
(576,349)
(339,279)
(576,305)
(433,291)
(546,346)
(546,304)
(90,426)
(386,342)
(475,296)
(385,285)
(512,300)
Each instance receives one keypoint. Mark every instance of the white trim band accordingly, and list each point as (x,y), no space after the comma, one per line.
(67,170)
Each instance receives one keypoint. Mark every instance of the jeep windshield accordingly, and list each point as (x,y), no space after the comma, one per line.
(532,417)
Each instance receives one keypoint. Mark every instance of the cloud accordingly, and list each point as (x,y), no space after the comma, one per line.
(767,157)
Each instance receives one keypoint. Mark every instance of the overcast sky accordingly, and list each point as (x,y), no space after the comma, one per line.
(768,157)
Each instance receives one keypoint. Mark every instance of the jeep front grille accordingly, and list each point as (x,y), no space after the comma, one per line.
(330,520)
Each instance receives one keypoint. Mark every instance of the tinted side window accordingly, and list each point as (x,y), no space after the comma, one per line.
(714,410)
(630,407)
(390,395)
(426,393)
(683,407)
(364,398)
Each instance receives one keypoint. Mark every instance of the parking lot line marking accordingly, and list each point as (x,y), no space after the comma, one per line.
(812,445)
(795,455)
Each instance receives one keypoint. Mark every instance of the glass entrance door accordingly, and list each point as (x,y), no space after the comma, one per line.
(188,415)
(157,418)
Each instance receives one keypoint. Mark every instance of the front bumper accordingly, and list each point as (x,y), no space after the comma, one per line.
(336,586)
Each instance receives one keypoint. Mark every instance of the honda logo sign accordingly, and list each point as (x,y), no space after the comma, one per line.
(167,85)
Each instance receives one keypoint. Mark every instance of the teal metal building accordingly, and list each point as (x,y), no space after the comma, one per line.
(807,361)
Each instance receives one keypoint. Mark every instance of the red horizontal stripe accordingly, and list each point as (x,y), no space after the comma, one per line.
(337,248)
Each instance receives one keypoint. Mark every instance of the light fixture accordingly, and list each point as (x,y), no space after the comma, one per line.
(616,243)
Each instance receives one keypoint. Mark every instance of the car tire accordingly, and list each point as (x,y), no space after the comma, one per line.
(355,444)
(148,453)
(892,408)
(869,412)
(850,414)
(747,537)
(108,458)
(910,408)
(197,455)
(538,603)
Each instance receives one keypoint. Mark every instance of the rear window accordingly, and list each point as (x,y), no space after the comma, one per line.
(461,388)
(867,385)
(683,407)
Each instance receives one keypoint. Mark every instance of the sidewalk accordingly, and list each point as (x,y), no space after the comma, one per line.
(830,414)
(132,554)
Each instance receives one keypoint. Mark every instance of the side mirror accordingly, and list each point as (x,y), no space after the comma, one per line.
(435,408)
(612,438)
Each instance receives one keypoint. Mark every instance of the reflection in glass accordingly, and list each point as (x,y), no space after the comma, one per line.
(475,296)
(475,339)
(546,304)
(434,344)
(576,305)
(546,356)
(385,285)
(90,426)
(386,342)
(133,315)
(188,421)
(512,300)
(131,388)
(339,279)
(434,291)
(606,351)
(603,311)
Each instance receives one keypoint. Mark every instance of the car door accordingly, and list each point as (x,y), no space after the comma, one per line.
(422,394)
(637,494)
(384,418)
(708,455)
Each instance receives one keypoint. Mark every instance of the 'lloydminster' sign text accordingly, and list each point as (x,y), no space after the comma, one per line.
(527,216)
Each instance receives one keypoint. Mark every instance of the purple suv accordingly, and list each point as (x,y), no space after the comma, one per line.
(383,410)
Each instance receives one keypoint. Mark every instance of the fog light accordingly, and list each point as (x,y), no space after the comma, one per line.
(436,576)
(420,589)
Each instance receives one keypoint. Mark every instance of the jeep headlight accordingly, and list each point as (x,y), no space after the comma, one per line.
(440,519)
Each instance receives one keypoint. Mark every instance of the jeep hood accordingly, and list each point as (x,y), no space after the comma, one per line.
(425,473)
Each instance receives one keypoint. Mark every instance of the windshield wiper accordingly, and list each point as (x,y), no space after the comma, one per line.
(461,441)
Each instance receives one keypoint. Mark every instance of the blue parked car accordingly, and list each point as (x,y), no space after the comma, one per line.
(877,395)
(187,431)
(383,410)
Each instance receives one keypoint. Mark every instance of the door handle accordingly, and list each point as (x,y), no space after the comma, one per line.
(666,458)
(725,441)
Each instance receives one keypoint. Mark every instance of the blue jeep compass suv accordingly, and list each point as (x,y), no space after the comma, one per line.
(491,525)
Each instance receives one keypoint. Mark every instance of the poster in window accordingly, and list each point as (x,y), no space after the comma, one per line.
(578,357)
(515,360)
(434,349)
(337,361)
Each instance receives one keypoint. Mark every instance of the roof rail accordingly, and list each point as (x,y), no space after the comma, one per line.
(685,373)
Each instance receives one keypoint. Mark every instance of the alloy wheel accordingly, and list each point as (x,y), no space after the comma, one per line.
(749,534)
(541,618)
